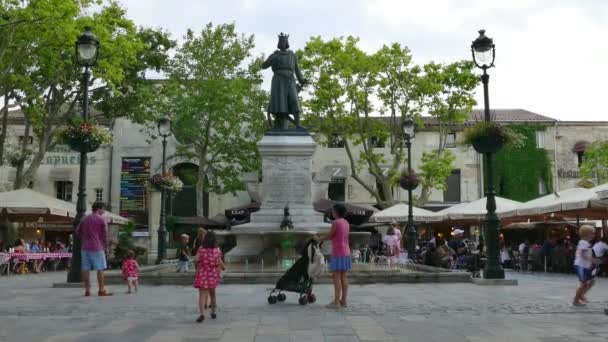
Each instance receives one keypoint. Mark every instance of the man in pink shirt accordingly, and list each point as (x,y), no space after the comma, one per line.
(92,231)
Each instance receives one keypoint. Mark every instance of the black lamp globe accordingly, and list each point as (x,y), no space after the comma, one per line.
(164,126)
(483,51)
(87,48)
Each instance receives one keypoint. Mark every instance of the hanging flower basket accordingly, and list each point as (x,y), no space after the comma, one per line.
(489,137)
(408,181)
(166,181)
(85,136)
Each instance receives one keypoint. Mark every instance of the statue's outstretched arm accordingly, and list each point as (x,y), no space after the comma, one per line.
(268,62)
(298,72)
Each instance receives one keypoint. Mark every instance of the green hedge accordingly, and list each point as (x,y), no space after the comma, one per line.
(518,170)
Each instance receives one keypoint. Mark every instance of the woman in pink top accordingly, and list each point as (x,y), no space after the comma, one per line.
(340,262)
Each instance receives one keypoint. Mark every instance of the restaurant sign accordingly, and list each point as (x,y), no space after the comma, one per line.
(571,174)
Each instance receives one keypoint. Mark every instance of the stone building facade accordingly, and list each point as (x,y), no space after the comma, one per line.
(114,171)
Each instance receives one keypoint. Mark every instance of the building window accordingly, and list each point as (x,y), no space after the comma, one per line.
(335,141)
(337,189)
(98,195)
(450,140)
(30,139)
(452,190)
(580,156)
(540,139)
(64,190)
(377,142)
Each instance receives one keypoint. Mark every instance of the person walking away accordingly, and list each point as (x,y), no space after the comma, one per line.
(184,253)
(375,243)
(340,262)
(198,241)
(392,243)
(505,257)
(207,279)
(92,231)
(130,271)
(583,262)
(524,252)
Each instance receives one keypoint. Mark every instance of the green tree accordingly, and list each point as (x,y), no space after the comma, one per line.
(357,97)
(214,94)
(47,79)
(595,165)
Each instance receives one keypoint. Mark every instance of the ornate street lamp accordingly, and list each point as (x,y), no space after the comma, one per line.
(409,182)
(165,128)
(87,51)
(484,53)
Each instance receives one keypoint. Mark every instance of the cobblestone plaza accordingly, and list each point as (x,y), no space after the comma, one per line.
(539,310)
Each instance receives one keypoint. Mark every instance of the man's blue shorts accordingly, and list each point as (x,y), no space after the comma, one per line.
(93,261)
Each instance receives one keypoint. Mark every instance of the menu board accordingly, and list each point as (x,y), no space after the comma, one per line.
(135,172)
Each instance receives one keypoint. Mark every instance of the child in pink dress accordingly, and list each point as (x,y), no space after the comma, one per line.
(207,279)
(130,271)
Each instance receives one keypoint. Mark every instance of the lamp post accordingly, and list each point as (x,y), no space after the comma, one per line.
(484,53)
(87,51)
(409,182)
(164,126)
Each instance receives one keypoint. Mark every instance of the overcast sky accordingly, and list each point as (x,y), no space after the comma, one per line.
(551,55)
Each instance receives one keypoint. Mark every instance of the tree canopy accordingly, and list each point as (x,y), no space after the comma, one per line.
(363,98)
(214,94)
(45,80)
(595,164)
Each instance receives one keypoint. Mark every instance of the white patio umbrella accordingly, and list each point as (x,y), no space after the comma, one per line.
(26,205)
(601,191)
(399,213)
(476,210)
(567,200)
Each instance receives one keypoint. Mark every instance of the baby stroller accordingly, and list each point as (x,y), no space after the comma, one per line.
(300,277)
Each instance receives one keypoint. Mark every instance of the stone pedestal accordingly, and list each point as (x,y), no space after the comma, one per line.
(286,181)
(153,224)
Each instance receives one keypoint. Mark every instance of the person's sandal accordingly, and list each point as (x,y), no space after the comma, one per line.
(213,314)
(87,293)
(200,319)
(104,293)
(343,304)
(332,305)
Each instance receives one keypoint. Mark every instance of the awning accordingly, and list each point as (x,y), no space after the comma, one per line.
(198,221)
(580,146)
(242,212)
(354,214)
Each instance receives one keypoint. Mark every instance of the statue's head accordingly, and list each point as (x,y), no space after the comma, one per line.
(283,41)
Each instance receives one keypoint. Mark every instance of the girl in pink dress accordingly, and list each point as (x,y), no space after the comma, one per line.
(130,271)
(207,279)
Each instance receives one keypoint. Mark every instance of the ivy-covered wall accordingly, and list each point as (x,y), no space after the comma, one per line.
(518,170)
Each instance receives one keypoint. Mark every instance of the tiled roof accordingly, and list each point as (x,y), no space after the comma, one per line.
(499,115)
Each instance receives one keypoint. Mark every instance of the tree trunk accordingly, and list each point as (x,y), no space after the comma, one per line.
(4,127)
(43,146)
(19,181)
(200,188)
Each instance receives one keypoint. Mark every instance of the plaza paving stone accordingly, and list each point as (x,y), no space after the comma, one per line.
(538,310)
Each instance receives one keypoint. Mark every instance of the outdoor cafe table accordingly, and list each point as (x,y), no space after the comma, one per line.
(6,258)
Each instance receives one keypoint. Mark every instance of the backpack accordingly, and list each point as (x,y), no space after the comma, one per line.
(316,263)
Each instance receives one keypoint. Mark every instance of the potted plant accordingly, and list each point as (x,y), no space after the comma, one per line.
(408,181)
(84,136)
(126,243)
(488,137)
(167,181)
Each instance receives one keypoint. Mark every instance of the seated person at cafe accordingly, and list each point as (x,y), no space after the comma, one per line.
(457,245)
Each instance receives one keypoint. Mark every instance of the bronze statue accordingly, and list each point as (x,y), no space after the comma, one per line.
(284,90)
